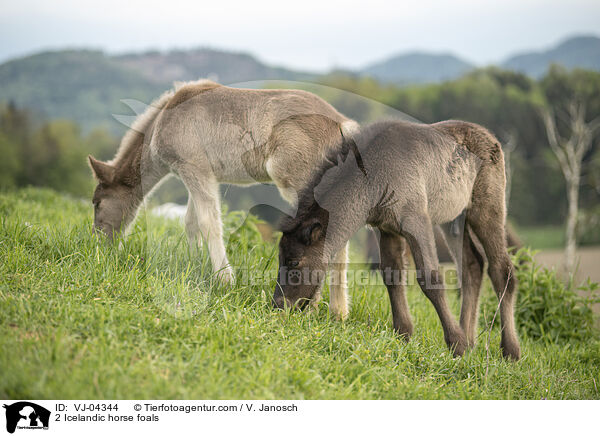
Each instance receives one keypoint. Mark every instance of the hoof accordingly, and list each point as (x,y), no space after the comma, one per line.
(226,276)
(339,309)
(340,315)
(510,350)
(457,343)
(405,336)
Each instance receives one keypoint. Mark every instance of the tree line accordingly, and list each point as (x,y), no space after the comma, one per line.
(53,154)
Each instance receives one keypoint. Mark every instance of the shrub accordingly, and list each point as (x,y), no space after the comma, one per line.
(548,308)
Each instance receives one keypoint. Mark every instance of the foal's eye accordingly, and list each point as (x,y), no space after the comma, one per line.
(293,263)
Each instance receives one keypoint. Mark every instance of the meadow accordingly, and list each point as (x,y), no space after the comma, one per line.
(144,318)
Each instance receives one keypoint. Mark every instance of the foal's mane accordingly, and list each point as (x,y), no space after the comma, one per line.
(134,137)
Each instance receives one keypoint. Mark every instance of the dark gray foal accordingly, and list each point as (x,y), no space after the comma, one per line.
(405,178)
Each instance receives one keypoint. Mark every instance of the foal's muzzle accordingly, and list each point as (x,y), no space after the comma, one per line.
(280,302)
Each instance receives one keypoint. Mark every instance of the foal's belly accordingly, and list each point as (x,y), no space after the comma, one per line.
(237,163)
(450,183)
(449,200)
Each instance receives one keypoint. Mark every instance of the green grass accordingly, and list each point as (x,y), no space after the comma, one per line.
(80,319)
(543,237)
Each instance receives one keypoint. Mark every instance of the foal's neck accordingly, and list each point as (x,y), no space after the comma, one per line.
(135,166)
(347,201)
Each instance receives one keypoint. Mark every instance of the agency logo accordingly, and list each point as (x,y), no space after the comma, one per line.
(26,415)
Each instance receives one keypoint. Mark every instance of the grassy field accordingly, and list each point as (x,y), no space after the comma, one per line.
(543,237)
(80,319)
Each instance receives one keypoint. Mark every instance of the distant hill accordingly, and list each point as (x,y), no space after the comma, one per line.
(225,67)
(87,86)
(418,68)
(580,52)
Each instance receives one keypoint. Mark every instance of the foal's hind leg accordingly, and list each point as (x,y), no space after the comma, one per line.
(469,266)
(393,272)
(486,217)
(472,276)
(419,234)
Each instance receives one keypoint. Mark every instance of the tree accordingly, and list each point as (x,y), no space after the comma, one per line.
(570,137)
(509,145)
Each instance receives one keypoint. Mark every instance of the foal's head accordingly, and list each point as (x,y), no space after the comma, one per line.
(302,265)
(115,200)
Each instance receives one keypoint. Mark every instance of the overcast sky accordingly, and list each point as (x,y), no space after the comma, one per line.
(309,35)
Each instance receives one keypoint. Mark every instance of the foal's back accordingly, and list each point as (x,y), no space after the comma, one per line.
(228,132)
(430,167)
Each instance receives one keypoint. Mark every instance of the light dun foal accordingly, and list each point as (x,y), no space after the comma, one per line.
(207,134)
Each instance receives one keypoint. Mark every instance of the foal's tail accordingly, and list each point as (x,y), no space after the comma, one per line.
(349,129)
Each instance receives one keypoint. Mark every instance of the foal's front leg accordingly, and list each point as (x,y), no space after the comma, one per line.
(207,214)
(393,272)
(191,225)
(419,234)
(338,291)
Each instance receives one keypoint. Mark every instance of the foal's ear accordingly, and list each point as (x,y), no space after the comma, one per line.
(310,232)
(103,172)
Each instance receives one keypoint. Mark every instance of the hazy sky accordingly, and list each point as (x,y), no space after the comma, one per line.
(310,35)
